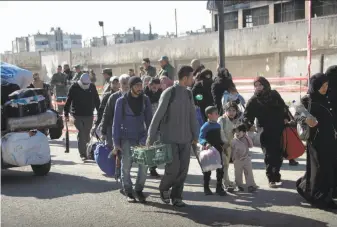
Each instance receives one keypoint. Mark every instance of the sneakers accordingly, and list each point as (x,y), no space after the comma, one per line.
(140,196)
(153,173)
(230,189)
(83,158)
(178,203)
(165,197)
(220,191)
(272,185)
(207,191)
(130,198)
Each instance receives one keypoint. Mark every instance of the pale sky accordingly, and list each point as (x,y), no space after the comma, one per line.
(22,18)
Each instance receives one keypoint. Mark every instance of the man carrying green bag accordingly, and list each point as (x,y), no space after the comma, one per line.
(132,112)
(175,119)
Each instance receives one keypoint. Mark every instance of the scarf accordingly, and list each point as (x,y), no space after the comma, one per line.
(264,96)
(135,103)
(316,82)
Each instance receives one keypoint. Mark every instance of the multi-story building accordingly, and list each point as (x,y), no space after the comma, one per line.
(93,42)
(247,13)
(20,44)
(56,40)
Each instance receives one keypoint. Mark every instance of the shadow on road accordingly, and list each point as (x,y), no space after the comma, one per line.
(25,184)
(214,216)
(61,143)
(62,162)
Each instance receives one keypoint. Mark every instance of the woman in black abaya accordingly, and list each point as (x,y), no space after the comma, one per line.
(271,112)
(316,186)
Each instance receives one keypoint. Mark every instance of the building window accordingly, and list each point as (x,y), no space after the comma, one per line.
(41,43)
(231,20)
(323,8)
(289,11)
(256,16)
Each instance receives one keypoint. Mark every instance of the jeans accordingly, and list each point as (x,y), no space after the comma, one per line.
(126,168)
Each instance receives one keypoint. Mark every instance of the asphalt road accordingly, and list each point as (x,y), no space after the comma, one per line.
(78,194)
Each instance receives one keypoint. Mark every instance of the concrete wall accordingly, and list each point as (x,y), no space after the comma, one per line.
(269,50)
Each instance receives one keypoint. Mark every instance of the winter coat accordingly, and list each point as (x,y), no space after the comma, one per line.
(203,88)
(240,148)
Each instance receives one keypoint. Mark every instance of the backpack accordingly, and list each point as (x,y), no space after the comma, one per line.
(124,103)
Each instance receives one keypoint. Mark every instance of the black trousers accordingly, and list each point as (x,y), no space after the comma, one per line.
(219,172)
(273,160)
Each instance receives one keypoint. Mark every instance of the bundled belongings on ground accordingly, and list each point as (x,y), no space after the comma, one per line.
(25,108)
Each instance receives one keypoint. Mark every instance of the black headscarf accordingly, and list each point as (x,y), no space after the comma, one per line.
(263,96)
(331,73)
(205,77)
(316,82)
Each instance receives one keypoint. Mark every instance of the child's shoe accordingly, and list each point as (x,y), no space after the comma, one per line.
(252,189)
(241,189)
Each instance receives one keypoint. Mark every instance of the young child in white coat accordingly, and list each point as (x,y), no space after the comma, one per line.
(228,122)
(242,160)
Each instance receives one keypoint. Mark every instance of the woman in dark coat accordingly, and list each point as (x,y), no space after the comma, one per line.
(331,73)
(316,186)
(271,112)
(202,86)
(221,84)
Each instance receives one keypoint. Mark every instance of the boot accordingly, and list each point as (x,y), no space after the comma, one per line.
(293,162)
(219,187)
(207,178)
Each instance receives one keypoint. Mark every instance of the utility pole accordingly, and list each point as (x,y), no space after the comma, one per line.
(175,17)
(309,43)
(101,24)
(220,7)
(150,31)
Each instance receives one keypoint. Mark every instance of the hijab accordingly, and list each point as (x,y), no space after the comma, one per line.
(316,82)
(331,73)
(264,96)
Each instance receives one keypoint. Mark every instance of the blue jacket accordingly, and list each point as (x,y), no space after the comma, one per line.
(127,126)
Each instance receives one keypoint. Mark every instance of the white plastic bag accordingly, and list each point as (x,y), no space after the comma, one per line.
(210,159)
(21,149)
(15,75)
(255,137)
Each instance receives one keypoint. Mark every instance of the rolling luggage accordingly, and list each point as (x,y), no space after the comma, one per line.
(26,102)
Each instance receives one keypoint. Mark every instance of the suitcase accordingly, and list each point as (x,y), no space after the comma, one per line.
(106,164)
(26,102)
(39,121)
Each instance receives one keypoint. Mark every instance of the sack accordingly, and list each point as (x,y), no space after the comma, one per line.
(40,121)
(210,159)
(20,148)
(106,164)
(155,155)
(56,132)
(291,144)
(14,75)
(6,90)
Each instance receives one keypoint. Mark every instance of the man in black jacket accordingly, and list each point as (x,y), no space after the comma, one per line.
(83,99)
(114,87)
(109,110)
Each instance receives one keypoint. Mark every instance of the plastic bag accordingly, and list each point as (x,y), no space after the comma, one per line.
(22,148)
(14,75)
(210,159)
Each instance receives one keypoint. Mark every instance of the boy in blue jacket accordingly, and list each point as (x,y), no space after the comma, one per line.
(210,136)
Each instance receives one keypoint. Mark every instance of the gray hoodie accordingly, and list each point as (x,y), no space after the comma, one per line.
(178,121)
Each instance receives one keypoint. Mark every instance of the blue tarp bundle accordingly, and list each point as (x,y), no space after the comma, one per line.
(15,75)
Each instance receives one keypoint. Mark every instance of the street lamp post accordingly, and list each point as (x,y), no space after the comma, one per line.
(101,24)
(221,28)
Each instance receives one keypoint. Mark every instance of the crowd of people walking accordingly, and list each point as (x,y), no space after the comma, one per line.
(139,110)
